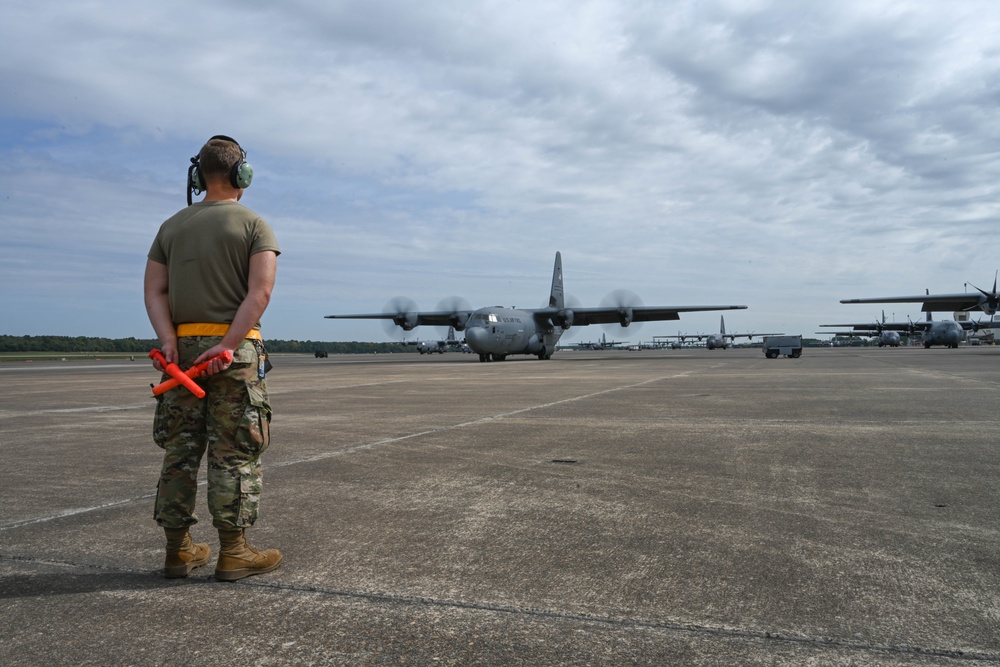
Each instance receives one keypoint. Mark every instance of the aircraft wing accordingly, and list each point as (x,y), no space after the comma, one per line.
(871,328)
(932,302)
(976,326)
(408,320)
(618,315)
(751,335)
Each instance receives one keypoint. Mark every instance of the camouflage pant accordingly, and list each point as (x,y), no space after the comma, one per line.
(231,423)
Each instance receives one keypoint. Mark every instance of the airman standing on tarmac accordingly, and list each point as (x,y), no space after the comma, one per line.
(209,277)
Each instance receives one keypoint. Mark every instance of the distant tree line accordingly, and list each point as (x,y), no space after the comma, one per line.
(144,345)
(353,347)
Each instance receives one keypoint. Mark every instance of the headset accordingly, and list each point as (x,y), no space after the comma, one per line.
(240,175)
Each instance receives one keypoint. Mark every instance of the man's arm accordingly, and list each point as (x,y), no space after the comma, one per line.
(155,291)
(260,283)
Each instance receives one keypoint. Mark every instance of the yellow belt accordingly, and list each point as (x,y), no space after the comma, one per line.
(201,329)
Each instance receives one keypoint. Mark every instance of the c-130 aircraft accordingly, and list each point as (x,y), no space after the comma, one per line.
(495,332)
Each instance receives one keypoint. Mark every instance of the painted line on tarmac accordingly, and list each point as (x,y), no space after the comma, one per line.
(670,625)
(674,625)
(73,512)
(475,422)
(340,452)
(7,414)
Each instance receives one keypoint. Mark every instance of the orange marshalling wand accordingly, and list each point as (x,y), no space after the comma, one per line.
(180,377)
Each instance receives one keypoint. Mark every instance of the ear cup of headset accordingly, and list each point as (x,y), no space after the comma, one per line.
(241,174)
(195,180)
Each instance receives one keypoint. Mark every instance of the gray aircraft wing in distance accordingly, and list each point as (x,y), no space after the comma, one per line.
(887,337)
(988,302)
(496,332)
(888,333)
(717,340)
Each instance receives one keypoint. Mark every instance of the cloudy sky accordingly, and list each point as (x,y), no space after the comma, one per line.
(779,154)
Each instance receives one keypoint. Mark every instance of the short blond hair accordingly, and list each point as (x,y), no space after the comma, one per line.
(218,157)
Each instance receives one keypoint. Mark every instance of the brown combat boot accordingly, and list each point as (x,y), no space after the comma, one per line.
(237,559)
(183,554)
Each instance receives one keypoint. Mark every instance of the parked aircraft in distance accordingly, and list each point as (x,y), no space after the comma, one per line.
(431,346)
(720,340)
(438,346)
(654,345)
(988,302)
(947,333)
(603,344)
(494,333)
(676,342)
(887,336)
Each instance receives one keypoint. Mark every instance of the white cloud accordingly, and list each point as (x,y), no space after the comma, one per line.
(779,154)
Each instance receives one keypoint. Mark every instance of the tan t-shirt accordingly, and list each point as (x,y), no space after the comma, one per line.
(206,248)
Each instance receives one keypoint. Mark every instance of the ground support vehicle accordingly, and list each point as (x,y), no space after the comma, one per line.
(790,346)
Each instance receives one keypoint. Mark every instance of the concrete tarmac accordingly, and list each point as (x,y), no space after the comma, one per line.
(686,507)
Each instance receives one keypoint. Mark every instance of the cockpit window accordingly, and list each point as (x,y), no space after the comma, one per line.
(484,317)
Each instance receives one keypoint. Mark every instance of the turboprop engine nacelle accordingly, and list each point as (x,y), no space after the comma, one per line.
(625,316)
(564,318)
(405,320)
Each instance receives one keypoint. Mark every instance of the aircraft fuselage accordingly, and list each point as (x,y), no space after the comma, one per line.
(716,341)
(890,338)
(944,332)
(494,333)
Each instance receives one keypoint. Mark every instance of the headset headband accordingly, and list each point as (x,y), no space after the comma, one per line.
(240,175)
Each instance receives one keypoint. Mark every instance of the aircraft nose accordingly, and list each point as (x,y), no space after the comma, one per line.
(476,338)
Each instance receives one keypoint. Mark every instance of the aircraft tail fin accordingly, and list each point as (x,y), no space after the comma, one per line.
(556,299)
(722,325)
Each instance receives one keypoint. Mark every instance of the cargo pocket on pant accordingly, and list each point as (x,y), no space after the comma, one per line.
(161,424)
(256,420)
(251,486)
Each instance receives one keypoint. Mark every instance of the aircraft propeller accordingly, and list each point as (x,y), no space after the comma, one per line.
(623,300)
(404,311)
(992,298)
(460,310)
(571,303)
(979,324)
